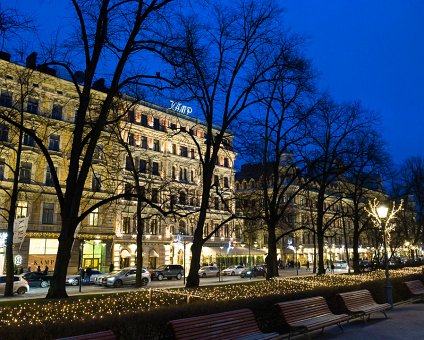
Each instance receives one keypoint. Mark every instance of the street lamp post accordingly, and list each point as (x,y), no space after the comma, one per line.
(81,259)
(388,289)
(219,263)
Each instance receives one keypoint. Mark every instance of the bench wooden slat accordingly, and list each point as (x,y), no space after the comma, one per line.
(416,288)
(361,303)
(309,314)
(230,325)
(103,335)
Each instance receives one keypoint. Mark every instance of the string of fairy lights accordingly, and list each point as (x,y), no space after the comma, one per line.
(142,300)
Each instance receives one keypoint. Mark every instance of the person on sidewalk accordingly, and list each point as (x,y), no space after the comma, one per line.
(88,273)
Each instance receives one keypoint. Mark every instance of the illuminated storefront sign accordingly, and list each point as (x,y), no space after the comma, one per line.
(179,107)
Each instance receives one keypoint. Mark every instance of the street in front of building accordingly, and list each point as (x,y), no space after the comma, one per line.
(39,292)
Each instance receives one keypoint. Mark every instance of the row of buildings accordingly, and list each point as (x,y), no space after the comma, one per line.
(163,145)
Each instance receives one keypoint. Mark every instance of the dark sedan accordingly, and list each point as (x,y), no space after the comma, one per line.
(36,279)
(253,272)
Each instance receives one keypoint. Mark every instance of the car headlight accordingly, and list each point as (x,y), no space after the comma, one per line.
(249,272)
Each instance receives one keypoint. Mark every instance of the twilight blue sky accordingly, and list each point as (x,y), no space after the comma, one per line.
(372,51)
(367,50)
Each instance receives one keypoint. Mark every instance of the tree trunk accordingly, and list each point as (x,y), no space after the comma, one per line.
(57,288)
(196,251)
(12,214)
(355,246)
(271,258)
(140,231)
(320,240)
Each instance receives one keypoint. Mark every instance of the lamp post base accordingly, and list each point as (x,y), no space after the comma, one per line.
(388,290)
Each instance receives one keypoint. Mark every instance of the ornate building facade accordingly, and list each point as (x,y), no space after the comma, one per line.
(159,146)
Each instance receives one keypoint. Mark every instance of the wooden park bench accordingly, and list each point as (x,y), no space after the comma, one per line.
(361,303)
(416,288)
(103,335)
(236,324)
(306,315)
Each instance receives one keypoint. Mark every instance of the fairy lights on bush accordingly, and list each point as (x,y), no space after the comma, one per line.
(142,300)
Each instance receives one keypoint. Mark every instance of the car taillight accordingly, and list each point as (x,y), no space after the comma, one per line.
(25,281)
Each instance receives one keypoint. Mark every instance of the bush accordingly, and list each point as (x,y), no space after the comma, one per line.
(128,314)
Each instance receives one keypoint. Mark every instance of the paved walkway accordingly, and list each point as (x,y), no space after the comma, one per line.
(405,321)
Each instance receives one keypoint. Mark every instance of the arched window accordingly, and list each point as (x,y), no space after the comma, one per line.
(182,227)
(183,198)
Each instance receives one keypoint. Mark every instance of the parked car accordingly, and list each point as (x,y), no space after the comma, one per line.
(253,272)
(73,279)
(125,276)
(208,271)
(168,271)
(20,285)
(99,278)
(233,270)
(36,279)
(365,265)
(340,264)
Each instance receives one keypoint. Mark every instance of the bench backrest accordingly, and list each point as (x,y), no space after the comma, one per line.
(225,325)
(298,310)
(415,286)
(357,298)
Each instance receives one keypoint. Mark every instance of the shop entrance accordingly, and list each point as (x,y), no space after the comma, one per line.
(125,258)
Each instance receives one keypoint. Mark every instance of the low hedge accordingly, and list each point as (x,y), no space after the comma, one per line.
(143,324)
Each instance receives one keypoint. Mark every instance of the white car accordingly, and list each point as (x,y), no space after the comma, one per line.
(341,264)
(73,280)
(233,270)
(126,276)
(208,271)
(20,285)
(99,278)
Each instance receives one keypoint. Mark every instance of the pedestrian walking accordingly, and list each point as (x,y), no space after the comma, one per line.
(82,274)
(46,270)
(307,265)
(111,268)
(332,268)
(88,272)
(38,269)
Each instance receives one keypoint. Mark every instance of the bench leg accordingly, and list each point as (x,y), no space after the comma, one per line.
(340,326)
(384,312)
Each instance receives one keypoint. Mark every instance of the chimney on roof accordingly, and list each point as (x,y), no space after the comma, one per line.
(5,56)
(79,76)
(31,61)
(45,69)
(99,85)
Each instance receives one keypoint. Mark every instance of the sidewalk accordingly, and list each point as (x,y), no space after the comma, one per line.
(405,321)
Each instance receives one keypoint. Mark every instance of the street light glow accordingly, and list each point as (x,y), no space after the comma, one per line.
(382,211)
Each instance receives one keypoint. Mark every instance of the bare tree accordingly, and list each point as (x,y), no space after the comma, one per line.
(362,181)
(12,140)
(13,24)
(273,137)
(408,183)
(115,32)
(227,51)
(331,132)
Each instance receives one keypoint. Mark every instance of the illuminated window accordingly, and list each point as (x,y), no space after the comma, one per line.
(93,217)
(39,246)
(21,209)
